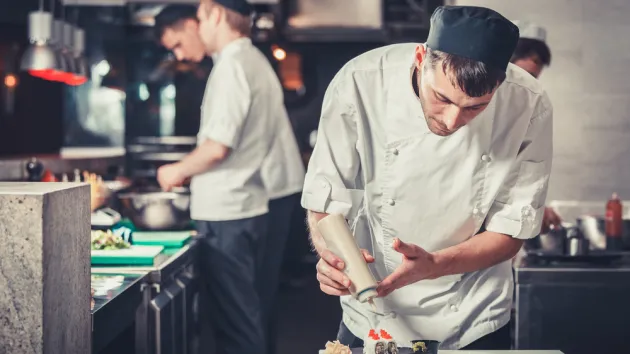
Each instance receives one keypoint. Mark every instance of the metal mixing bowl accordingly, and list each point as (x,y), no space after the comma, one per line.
(157,210)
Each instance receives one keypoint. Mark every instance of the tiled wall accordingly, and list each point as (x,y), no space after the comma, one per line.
(589,85)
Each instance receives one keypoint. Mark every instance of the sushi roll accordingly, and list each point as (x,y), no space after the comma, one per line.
(392,346)
(373,344)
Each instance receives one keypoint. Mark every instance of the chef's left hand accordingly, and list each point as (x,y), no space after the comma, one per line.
(170,176)
(417,264)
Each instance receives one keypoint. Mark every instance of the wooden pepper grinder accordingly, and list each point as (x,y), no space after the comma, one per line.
(614,223)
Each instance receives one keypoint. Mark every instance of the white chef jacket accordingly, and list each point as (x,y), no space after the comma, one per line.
(283,169)
(376,162)
(243,109)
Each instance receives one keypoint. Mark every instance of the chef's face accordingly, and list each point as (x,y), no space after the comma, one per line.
(446,106)
(183,40)
(209,17)
(532,65)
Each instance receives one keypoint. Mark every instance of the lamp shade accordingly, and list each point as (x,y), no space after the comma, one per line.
(80,69)
(39,56)
(60,72)
(66,47)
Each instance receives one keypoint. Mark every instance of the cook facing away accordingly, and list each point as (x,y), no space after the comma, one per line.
(241,116)
(282,171)
(439,155)
(533,55)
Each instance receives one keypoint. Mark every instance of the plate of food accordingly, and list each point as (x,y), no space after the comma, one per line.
(381,342)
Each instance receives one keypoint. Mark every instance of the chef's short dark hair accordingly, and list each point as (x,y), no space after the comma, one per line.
(528,47)
(474,78)
(173,16)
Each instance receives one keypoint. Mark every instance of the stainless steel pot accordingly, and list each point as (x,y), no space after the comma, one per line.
(577,244)
(157,210)
(554,241)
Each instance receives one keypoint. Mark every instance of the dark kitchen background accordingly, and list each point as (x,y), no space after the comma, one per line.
(136,89)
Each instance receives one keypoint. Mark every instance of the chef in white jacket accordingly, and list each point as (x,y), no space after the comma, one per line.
(533,55)
(246,170)
(439,155)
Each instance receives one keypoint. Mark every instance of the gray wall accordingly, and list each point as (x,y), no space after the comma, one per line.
(589,85)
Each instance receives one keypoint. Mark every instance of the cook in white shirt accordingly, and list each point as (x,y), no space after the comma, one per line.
(439,155)
(532,55)
(246,155)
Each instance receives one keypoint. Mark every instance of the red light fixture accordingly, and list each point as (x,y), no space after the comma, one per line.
(52,75)
(79,77)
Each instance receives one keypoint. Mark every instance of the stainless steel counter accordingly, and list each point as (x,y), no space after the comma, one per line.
(167,263)
(531,271)
(580,308)
(160,302)
(117,297)
(360,351)
(97,160)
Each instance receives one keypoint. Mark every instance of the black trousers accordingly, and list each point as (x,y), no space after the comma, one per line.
(281,211)
(231,256)
(498,340)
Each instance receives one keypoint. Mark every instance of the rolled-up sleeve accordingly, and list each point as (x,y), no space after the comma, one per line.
(330,184)
(226,105)
(519,206)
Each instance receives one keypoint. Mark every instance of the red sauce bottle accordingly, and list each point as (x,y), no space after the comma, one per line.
(614,223)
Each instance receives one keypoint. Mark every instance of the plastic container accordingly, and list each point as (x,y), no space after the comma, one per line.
(340,241)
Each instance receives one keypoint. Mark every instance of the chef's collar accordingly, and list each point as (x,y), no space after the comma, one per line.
(231,48)
(472,32)
(531,30)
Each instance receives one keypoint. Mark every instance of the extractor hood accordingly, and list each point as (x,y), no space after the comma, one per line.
(359,20)
(334,20)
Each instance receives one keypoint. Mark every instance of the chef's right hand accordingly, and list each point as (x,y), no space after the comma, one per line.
(550,219)
(332,279)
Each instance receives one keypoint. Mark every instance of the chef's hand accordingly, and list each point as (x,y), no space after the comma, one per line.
(550,218)
(169,176)
(332,279)
(417,265)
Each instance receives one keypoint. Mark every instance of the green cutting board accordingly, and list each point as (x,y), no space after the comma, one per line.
(168,239)
(135,255)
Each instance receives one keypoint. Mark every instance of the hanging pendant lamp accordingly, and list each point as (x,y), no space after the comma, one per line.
(39,56)
(80,73)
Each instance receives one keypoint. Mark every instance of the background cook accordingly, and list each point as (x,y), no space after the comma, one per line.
(533,55)
(241,113)
(177,29)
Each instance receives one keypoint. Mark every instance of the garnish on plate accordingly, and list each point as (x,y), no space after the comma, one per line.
(107,240)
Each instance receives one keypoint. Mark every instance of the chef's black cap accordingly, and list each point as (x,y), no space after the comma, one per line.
(473,32)
(240,6)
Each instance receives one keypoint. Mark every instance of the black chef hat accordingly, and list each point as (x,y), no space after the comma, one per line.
(240,6)
(473,32)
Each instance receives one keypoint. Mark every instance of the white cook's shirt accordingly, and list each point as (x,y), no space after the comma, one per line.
(376,162)
(283,169)
(242,109)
